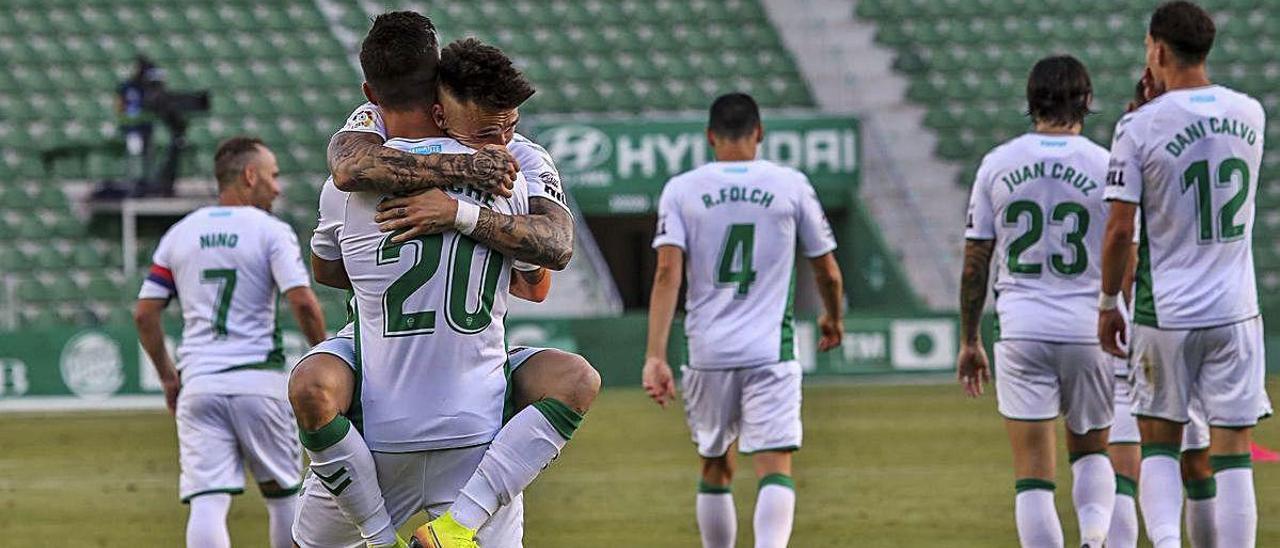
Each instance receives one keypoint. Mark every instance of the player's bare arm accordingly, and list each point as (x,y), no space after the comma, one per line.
(658,382)
(826,272)
(544,237)
(971,365)
(1117,255)
(146,316)
(359,162)
(306,310)
(330,273)
(531,285)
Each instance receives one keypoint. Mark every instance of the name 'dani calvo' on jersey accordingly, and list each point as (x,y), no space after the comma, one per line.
(1215,126)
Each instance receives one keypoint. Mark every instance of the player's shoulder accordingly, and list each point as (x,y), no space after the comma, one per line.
(532,157)
(1014,148)
(1244,101)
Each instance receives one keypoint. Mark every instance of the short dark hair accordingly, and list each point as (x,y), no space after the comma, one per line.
(1058,90)
(399,58)
(477,72)
(231,158)
(734,116)
(1186,28)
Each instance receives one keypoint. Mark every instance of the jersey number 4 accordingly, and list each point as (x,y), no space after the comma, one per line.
(739,243)
(1197,176)
(1035,230)
(430,251)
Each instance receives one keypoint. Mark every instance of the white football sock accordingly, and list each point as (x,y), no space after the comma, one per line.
(1237,506)
(1160,494)
(1093,490)
(1199,515)
(1124,523)
(280,511)
(775,511)
(523,447)
(1037,518)
(343,464)
(207,524)
(717,518)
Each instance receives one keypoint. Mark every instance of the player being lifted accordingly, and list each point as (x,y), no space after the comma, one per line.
(1189,159)
(1037,206)
(734,222)
(225,264)
(1124,443)
(548,377)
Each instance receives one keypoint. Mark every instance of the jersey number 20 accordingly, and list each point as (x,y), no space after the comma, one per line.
(457,285)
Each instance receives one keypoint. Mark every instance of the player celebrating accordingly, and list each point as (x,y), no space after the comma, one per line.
(735,221)
(1190,160)
(1037,205)
(226,263)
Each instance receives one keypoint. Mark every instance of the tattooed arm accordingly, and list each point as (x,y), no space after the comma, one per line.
(544,237)
(359,162)
(971,365)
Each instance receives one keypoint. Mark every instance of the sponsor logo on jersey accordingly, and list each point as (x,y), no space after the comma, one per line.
(91,365)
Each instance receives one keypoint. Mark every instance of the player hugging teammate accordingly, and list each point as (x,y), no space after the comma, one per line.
(419,406)
(1181,178)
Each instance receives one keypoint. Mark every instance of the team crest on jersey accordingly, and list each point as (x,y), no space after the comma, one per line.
(361,120)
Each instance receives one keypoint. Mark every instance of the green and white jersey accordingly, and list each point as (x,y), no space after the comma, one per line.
(429,331)
(737,223)
(1040,197)
(227,266)
(1191,159)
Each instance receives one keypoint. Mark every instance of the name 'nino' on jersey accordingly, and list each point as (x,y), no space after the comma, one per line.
(1190,159)
(429,331)
(737,223)
(226,266)
(1040,197)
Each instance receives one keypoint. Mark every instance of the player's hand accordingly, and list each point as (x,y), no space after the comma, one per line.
(659,384)
(832,329)
(429,212)
(172,385)
(492,169)
(971,368)
(1111,329)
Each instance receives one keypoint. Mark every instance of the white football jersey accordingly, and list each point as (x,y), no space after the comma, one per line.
(227,266)
(737,223)
(1190,158)
(536,165)
(1040,197)
(429,329)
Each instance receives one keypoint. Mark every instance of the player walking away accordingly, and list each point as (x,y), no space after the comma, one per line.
(1037,205)
(1124,444)
(226,263)
(1189,159)
(735,222)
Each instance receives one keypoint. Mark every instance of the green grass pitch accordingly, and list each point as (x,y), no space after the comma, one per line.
(881,466)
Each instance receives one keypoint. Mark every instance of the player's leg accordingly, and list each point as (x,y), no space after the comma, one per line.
(716,514)
(1087,384)
(1233,394)
(1161,400)
(713,411)
(771,431)
(1126,456)
(1028,398)
(552,391)
(1197,477)
(211,467)
(446,471)
(268,441)
(320,523)
(321,391)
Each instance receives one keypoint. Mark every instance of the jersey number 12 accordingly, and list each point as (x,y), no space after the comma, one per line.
(1197,176)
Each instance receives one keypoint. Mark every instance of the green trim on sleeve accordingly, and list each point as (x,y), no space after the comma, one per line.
(327,435)
(1030,484)
(564,419)
(1201,489)
(227,490)
(1227,462)
(781,480)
